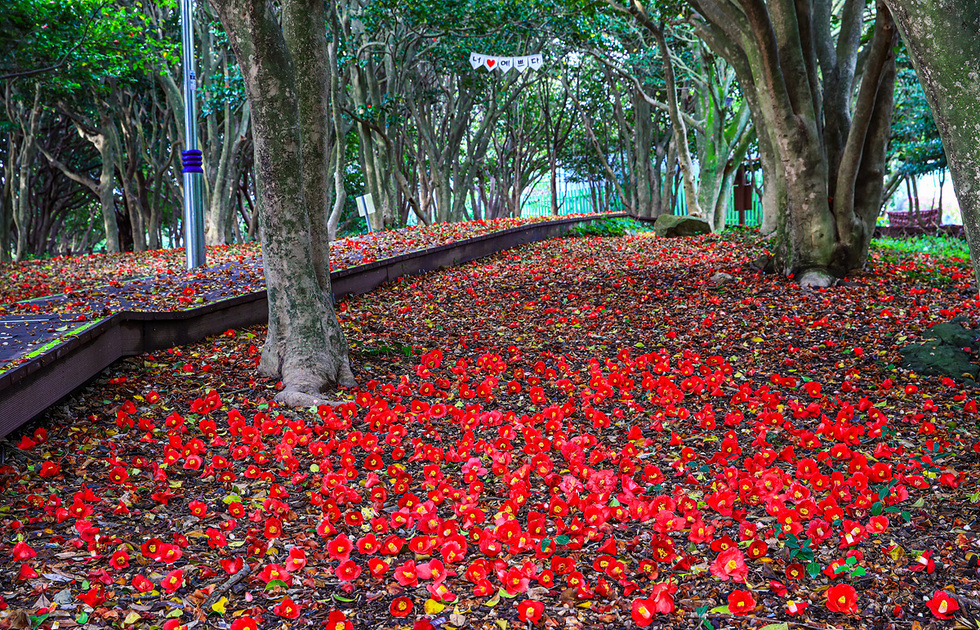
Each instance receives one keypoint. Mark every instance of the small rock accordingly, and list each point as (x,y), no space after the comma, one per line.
(671,226)
(721,279)
(816,279)
(762,262)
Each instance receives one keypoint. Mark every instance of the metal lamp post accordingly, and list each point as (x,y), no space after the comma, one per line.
(192,159)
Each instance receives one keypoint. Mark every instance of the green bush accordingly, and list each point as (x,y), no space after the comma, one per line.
(618,226)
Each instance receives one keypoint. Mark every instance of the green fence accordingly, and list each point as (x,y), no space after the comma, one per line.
(581,201)
(576,202)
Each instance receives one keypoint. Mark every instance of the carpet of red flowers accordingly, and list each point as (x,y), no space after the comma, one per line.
(82,282)
(580,433)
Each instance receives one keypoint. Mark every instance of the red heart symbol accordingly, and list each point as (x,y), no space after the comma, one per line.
(491,63)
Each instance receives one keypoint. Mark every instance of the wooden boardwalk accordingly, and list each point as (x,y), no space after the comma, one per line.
(54,354)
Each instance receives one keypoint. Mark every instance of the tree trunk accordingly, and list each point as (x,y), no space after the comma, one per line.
(822,156)
(943,39)
(680,130)
(643,179)
(305,345)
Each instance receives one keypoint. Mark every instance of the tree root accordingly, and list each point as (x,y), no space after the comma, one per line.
(296,399)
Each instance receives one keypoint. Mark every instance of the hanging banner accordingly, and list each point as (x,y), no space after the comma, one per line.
(504,64)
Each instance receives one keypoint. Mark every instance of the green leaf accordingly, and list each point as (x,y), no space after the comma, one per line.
(503,593)
(776,626)
(341,599)
(851,561)
(562,539)
(724,610)
(813,569)
(858,572)
(876,509)
(274,583)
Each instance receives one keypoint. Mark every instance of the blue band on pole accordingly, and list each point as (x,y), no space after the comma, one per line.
(192,161)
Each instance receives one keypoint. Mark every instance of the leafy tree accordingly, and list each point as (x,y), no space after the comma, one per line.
(821,101)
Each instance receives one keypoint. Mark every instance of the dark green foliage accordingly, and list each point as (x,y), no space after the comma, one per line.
(915,147)
(618,226)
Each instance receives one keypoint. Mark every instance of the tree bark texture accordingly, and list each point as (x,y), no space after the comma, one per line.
(943,39)
(305,345)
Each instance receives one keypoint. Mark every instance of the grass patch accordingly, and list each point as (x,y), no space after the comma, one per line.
(949,249)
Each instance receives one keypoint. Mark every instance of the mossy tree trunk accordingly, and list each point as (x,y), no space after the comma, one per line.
(943,39)
(822,151)
(305,345)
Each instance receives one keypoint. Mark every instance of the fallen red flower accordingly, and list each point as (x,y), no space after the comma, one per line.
(942,605)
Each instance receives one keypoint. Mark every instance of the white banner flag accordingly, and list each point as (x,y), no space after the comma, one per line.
(491,62)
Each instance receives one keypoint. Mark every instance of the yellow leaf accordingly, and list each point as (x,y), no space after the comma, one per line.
(432,607)
(219,606)
(131,618)
(502,623)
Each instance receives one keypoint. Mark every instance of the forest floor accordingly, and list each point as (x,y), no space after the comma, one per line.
(580,433)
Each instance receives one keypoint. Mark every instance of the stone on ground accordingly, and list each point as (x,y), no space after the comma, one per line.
(670,226)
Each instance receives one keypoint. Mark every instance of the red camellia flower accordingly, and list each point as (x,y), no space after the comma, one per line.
(23,551)
(741,602)
(340,547)
(378,567)
(942,604)
(198,508)
(407,574)
(662,597)
(118,475)
(94,596)
(273,528)
(287,609)
(119,560)
(347,571)
(142,584)
(401,607)
(794,607)
(27,572)
(173,581)
(730,565)
(244,623)
(232,565)
(642,612)
(338,621)
(530,611)
(842,598)
(273,572)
